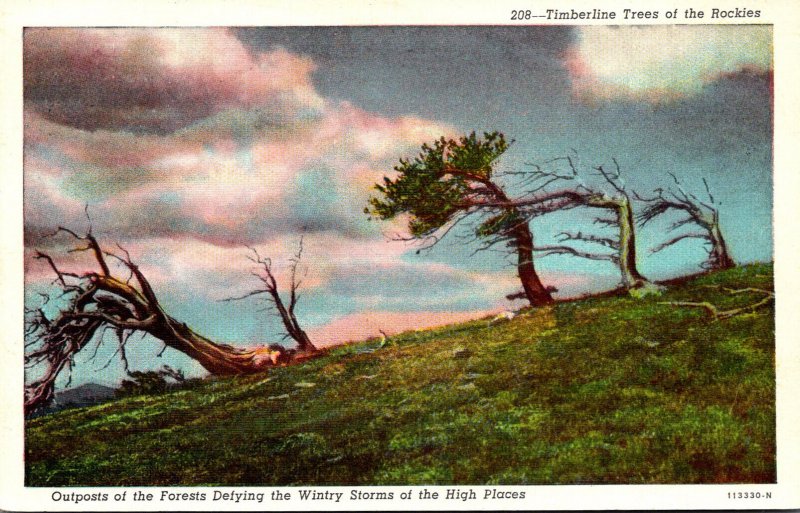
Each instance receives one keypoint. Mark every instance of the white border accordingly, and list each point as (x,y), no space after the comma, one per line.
(783,14)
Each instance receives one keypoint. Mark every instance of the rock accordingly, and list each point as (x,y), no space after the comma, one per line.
(503,316)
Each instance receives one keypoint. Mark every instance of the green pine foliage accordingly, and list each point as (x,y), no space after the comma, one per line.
(426,188)
(607,389)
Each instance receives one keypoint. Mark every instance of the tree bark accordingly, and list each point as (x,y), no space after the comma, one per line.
(536,293)
(220,359)
(626,253)
(631,277)
(522,239)
(719,256)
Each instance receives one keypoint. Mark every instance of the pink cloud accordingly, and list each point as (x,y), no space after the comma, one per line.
(108,148)
(155,79)
(363,325)
(205,183)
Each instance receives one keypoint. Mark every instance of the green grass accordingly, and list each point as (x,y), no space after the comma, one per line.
(601,390)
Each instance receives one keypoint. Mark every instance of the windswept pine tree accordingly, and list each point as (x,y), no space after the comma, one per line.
(451,181)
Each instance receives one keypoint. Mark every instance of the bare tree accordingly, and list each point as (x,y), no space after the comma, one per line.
(703,214)
(98,301)
(269,286)
(612,199)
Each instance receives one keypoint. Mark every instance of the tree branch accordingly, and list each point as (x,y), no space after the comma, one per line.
(567,250)
(580,236)
(718,314)
(284,312)
(60,274)
(677,239)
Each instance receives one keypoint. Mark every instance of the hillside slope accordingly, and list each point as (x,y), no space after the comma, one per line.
(601,390)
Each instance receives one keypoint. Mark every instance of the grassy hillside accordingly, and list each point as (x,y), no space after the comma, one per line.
(601,390)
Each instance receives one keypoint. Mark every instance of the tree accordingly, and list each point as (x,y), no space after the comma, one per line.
(613,199)
(703,214)
(97,301)
(270,287)
(150,382)
(452,181)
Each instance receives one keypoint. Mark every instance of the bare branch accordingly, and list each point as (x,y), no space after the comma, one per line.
(567,250)
(294,284)
(708,190)
(711,309)
(43,256)
(98,254)
(677,239)
(613,180)
(603,241)
(606,221)
(245,296)
(284,312)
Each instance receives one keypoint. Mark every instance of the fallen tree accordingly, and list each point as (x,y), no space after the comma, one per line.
(718,314)
(98,301)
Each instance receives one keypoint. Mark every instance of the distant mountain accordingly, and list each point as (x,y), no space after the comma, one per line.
(77,397)
(83,395)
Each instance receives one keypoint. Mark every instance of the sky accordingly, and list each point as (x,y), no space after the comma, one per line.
(188,145)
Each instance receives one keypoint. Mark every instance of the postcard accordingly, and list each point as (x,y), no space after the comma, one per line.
(399,256)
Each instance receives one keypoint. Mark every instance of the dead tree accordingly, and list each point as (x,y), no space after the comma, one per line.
(269,287)
(613,199)
(98,301)
(703,214)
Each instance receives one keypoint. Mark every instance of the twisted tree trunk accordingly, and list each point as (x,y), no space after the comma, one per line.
(518,234)
(536,293)
(719,257)
(98,300)
(631,277)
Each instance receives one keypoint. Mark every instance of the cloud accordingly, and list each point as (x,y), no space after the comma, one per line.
(212,187)
(657,63)
(262,154)
(363,325)
(156,80)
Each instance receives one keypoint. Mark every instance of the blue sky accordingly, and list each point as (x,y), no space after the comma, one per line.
(188,144)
